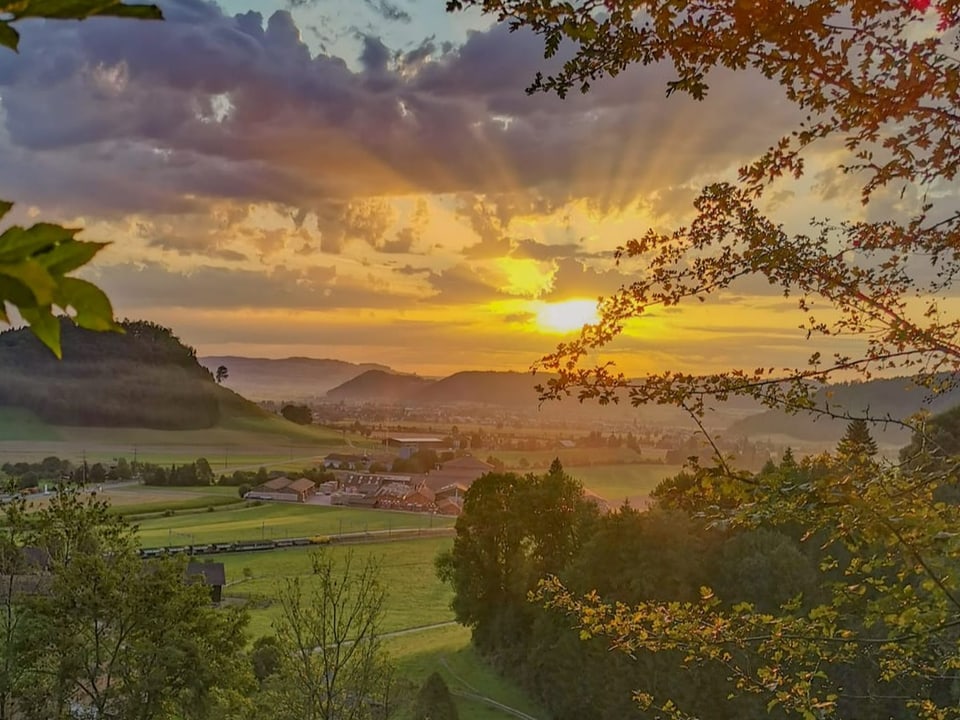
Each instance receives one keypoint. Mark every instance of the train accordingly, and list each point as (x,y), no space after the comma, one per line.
(256,545)
(233,547)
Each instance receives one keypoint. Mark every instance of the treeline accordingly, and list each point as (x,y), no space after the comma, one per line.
(144,377)
(53,471)
(517,530)
(198,472)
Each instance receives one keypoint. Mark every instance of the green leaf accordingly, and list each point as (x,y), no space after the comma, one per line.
(80,9)
(8,36)
(92,307)
(15,292)
(69,256)
(18,243)
(45,326)
(35,277)
(5,207)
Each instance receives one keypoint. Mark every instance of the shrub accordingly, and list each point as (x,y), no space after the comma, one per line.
(434,701)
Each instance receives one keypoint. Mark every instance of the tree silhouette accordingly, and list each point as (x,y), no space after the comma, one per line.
(856,441)
(222,373)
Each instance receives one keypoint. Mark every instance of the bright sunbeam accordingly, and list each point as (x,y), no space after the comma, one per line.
(567,316)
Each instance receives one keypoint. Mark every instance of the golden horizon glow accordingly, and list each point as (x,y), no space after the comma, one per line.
(566,316)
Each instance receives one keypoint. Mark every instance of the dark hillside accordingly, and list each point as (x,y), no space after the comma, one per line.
(144,377)
(377,386)
(508,389)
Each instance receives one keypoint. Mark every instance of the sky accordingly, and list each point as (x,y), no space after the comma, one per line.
(367,180)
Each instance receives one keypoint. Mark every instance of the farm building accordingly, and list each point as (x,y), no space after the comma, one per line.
(407,445)
(454,491)
(211,574)
(448,506)
(283,488)
(342,461)
(419,498)
(459,471)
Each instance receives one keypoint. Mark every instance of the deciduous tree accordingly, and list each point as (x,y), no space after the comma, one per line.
(332,665)
(878,84)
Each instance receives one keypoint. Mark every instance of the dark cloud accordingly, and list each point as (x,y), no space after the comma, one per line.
(463,284)
(535,250)
(114,116)
(388,10)
(315,288)
(573,278)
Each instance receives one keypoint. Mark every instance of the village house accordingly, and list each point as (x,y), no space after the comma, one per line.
(420,499)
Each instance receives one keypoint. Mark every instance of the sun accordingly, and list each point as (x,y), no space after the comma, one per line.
(566,316)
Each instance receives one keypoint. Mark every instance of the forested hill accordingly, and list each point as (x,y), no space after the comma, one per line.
(144,377)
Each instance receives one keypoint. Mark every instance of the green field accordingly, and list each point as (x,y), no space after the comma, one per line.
(448,651)
(415,596)
(616,482)
(275,521)
(17,424)
(237,443)
(133,511)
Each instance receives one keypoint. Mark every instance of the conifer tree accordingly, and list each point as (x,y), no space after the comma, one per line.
(856,441)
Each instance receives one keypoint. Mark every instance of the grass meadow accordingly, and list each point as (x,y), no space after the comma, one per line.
(238,443)
(615,483)
(274,521)
(415,599)
(415,596)
(447,650)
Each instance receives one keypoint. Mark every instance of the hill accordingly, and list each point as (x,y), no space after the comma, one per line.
(295,378)
(507,389)
(142,378)
(504,389)
(896,398)
(377,386)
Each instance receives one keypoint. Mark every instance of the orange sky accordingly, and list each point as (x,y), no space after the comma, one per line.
(281,184)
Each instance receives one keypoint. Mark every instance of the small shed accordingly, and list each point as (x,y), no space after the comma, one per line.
(211,574)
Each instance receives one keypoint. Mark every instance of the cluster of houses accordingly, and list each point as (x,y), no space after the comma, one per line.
(440,491)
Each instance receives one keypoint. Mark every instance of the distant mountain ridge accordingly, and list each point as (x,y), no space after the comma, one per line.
(293,378)
(897,398)
(143,378)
